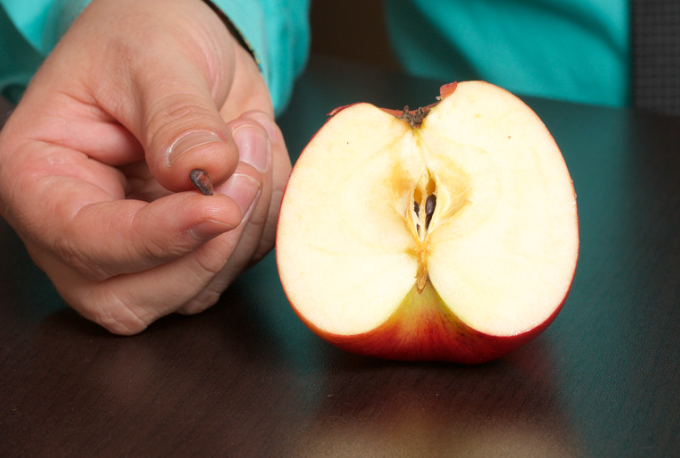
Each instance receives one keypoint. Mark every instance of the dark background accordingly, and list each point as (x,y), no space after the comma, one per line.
(352,30)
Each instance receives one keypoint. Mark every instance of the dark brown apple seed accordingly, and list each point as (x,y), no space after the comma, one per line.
(430,205)
(202,181)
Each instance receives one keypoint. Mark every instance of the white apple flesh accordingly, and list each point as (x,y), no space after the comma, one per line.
(447,236)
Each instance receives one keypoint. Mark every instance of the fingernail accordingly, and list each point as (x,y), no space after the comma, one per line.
(243,190)
(208,229)
(253,146)
(268,124)
(188,142)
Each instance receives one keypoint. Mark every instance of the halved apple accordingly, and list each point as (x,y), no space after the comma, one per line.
(448,233)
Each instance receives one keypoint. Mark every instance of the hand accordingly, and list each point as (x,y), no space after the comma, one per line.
(95,162)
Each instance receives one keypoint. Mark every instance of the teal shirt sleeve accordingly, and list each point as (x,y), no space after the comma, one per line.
(28,32)
(575,50)
(277,32)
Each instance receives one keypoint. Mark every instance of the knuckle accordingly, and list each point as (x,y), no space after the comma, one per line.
(201,303)
(116,315)
(259,217)
(171,114)
(65,251)
(208,266)
(152,250)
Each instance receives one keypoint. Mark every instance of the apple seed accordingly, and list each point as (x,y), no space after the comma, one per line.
(202,181)
(430,204)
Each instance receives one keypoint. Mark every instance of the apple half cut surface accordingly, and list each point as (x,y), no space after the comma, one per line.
(448,233)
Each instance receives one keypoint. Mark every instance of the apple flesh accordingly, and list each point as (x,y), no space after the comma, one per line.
(447,233)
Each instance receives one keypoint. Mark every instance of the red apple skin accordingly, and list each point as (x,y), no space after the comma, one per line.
(433,333)
(445,91)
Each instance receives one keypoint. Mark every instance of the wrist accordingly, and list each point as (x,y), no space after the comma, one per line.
(233,30)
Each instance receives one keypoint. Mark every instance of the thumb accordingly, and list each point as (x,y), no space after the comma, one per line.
(178,82)
(180,129)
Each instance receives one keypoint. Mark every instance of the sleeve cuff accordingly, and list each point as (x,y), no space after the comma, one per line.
(278,37)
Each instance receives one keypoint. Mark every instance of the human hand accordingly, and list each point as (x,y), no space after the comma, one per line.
(96,158)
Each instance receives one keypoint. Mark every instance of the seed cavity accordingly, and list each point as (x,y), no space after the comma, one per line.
(420,216)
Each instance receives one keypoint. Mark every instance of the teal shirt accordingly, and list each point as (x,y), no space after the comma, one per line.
(276,31)
(29,29)
(574,50)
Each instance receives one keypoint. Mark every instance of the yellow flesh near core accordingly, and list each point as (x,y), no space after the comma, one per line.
(504,224)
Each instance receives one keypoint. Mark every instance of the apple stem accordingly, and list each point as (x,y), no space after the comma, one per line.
(414,118)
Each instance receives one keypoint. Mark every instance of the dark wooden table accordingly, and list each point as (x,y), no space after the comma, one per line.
(247,379)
